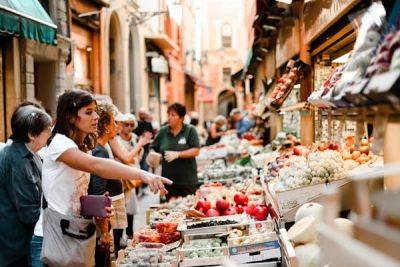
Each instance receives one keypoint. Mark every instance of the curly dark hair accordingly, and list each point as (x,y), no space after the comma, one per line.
(178,108)
(105,110)
(69,103)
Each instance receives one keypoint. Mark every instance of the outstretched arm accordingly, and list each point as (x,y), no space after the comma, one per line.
(111,169)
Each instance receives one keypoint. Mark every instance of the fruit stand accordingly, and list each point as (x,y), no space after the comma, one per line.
(315,195)
(220,222)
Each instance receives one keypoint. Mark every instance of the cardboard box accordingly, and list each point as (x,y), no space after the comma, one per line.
(271,250)
(294,198)
(202,261)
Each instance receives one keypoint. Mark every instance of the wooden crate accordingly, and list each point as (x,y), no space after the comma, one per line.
(339,249)
(287,202)
(287,249)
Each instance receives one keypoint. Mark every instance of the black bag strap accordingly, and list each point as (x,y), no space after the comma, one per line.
(44,202)
(90,230)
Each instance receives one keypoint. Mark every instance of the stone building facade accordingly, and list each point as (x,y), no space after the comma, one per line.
(34,70)
(224,50)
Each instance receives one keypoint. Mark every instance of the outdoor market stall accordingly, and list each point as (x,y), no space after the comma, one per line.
(323,191)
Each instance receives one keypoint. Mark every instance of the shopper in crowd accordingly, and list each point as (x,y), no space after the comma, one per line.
(144,126)
(218,129)
(201,131)
(130,142)
(115,148)
(179,144)
(242,122)
(20,184)
(66,168)
(261,131)
(25,103)
(107,130)
(154,123)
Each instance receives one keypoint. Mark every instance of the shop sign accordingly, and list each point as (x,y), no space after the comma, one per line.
(159,65)
(320,15)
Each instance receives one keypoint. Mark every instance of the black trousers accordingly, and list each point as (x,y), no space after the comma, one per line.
(102,255)
(129,229)
(117,240)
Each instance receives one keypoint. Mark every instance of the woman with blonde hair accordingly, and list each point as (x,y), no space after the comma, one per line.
(135,146)
(107,130)
(218,129)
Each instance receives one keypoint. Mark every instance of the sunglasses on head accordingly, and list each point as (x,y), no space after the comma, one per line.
(129,125)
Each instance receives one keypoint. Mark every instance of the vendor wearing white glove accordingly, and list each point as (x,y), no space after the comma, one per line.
(179,144)
(171,155)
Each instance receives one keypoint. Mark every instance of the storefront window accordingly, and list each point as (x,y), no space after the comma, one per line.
(226,36)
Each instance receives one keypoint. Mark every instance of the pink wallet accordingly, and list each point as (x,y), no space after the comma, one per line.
(94,205)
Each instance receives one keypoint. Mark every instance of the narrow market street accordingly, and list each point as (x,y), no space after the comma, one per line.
(185,133)
(147,200)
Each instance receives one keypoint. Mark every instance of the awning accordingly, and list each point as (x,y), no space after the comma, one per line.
(27,18)
(162,41)
(248,60)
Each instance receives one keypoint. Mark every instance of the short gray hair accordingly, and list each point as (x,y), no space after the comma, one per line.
(29,120)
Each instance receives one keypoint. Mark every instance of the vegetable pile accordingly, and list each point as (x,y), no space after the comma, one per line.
(318,167)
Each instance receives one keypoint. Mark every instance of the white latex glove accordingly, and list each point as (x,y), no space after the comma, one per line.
(171,155)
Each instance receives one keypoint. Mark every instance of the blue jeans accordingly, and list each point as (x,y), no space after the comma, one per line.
(36,250)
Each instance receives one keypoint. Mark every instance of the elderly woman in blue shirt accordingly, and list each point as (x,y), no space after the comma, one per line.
(20,184)
(242,123)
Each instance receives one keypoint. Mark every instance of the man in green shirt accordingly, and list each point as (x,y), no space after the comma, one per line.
(179,144)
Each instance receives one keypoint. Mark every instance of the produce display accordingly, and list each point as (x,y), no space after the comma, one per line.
(157,236)
(218,171)
(249,195)
(320,97)
(346,86)
(205,248)
(256,233)
(210,223)
(245,197)
(234,144)
(147,254)
(304,233)
(284,85)
(310,209)
(179,204)
(308,255)
(318,167)
(298,166)
(361,155)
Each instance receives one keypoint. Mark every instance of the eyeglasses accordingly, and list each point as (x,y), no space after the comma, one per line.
(129,125)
